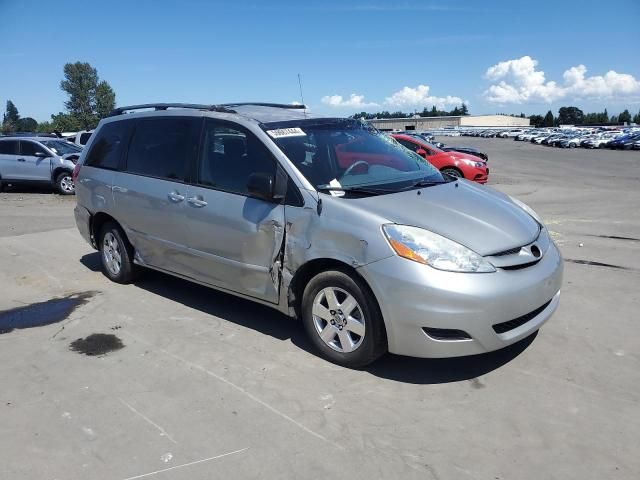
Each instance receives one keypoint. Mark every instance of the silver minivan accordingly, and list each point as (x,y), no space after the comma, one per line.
(324,219)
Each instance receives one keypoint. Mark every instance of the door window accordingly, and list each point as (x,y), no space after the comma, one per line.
(163,147)
(229,155)
(29,149)
(9,147)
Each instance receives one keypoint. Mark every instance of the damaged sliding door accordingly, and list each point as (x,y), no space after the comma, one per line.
(235,239)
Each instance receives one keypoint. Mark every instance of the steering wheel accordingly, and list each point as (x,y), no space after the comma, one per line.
(354,165)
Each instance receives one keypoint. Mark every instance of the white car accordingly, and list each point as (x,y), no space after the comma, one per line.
(511,133)
(81,138)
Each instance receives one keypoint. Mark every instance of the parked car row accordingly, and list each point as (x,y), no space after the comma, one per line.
(624,139)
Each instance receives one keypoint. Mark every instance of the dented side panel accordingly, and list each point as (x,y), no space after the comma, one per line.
(341,232)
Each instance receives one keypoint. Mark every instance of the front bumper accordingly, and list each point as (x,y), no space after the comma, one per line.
(414,296)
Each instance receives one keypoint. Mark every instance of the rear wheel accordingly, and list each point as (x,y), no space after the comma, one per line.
(116,254)
(64,184)
(342,319)
(452,172)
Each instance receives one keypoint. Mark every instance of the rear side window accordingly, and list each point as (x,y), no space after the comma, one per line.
(107,147)
(29,149)
(163,147)
(9,147)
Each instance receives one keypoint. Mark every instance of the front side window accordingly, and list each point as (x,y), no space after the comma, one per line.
(162,147)
(29,149)
(345,153)
(230,155)
(9,147)
(107,147)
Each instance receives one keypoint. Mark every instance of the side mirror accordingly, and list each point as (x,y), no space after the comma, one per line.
(422,152)
(261,185)
(41,155)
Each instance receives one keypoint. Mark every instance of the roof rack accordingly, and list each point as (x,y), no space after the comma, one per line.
(165,106)
(224,107)
(296,106)
(29,134)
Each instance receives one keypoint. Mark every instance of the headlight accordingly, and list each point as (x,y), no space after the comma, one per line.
(431,249)
(527,209)
(471,163)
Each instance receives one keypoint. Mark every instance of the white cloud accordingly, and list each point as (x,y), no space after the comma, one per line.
(354,101)
(519,81)
(419,97)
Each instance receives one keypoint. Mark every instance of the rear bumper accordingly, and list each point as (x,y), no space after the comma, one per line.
(413,297)
(83,222)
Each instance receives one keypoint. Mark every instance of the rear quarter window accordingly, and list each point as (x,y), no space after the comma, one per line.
(107,147)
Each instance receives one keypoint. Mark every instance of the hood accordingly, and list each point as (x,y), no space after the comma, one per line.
(480,218)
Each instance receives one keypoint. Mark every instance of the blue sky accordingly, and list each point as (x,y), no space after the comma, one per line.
(500,56)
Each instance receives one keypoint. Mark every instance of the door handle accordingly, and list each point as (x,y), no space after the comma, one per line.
(197,201)
(175,196)
(116,188)
(21,160)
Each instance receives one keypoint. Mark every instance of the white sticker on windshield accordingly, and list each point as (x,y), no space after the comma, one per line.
(336,184)
(286,132)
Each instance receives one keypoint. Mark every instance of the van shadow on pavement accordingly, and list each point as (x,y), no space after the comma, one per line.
(271,322)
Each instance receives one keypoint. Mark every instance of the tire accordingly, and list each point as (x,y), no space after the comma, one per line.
(64,184)
(453,172)
(113,245)
(355,338)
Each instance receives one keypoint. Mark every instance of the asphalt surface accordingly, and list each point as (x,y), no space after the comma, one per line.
(167,380)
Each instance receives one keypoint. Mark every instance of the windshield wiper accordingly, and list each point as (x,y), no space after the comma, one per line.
(347,189)
(425,183)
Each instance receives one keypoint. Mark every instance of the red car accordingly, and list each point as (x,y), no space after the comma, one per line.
(456,164)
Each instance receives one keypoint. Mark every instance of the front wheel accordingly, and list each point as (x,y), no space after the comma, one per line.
(64,184)
(452,172)
(342,319)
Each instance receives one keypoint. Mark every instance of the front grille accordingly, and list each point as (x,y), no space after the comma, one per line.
(507,252)
(517,322)
(521,266)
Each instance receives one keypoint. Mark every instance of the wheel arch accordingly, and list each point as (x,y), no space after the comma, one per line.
(453,167)
(57,171)
(311,268)
(96,223)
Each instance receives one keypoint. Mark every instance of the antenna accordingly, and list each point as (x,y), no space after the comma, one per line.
(301,96)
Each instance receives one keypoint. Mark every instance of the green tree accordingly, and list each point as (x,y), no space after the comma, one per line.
(464,110)
(613,119)
(89,98)
(548,119)
(105,99)
(636,118)
(45,127)
(624,117)
(27,124)
(603,117)
(10,118)
(65,122)
(536,120)
(80,83)
(570,116)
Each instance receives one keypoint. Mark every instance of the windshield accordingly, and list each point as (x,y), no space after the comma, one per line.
(345,153)
(61,147)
